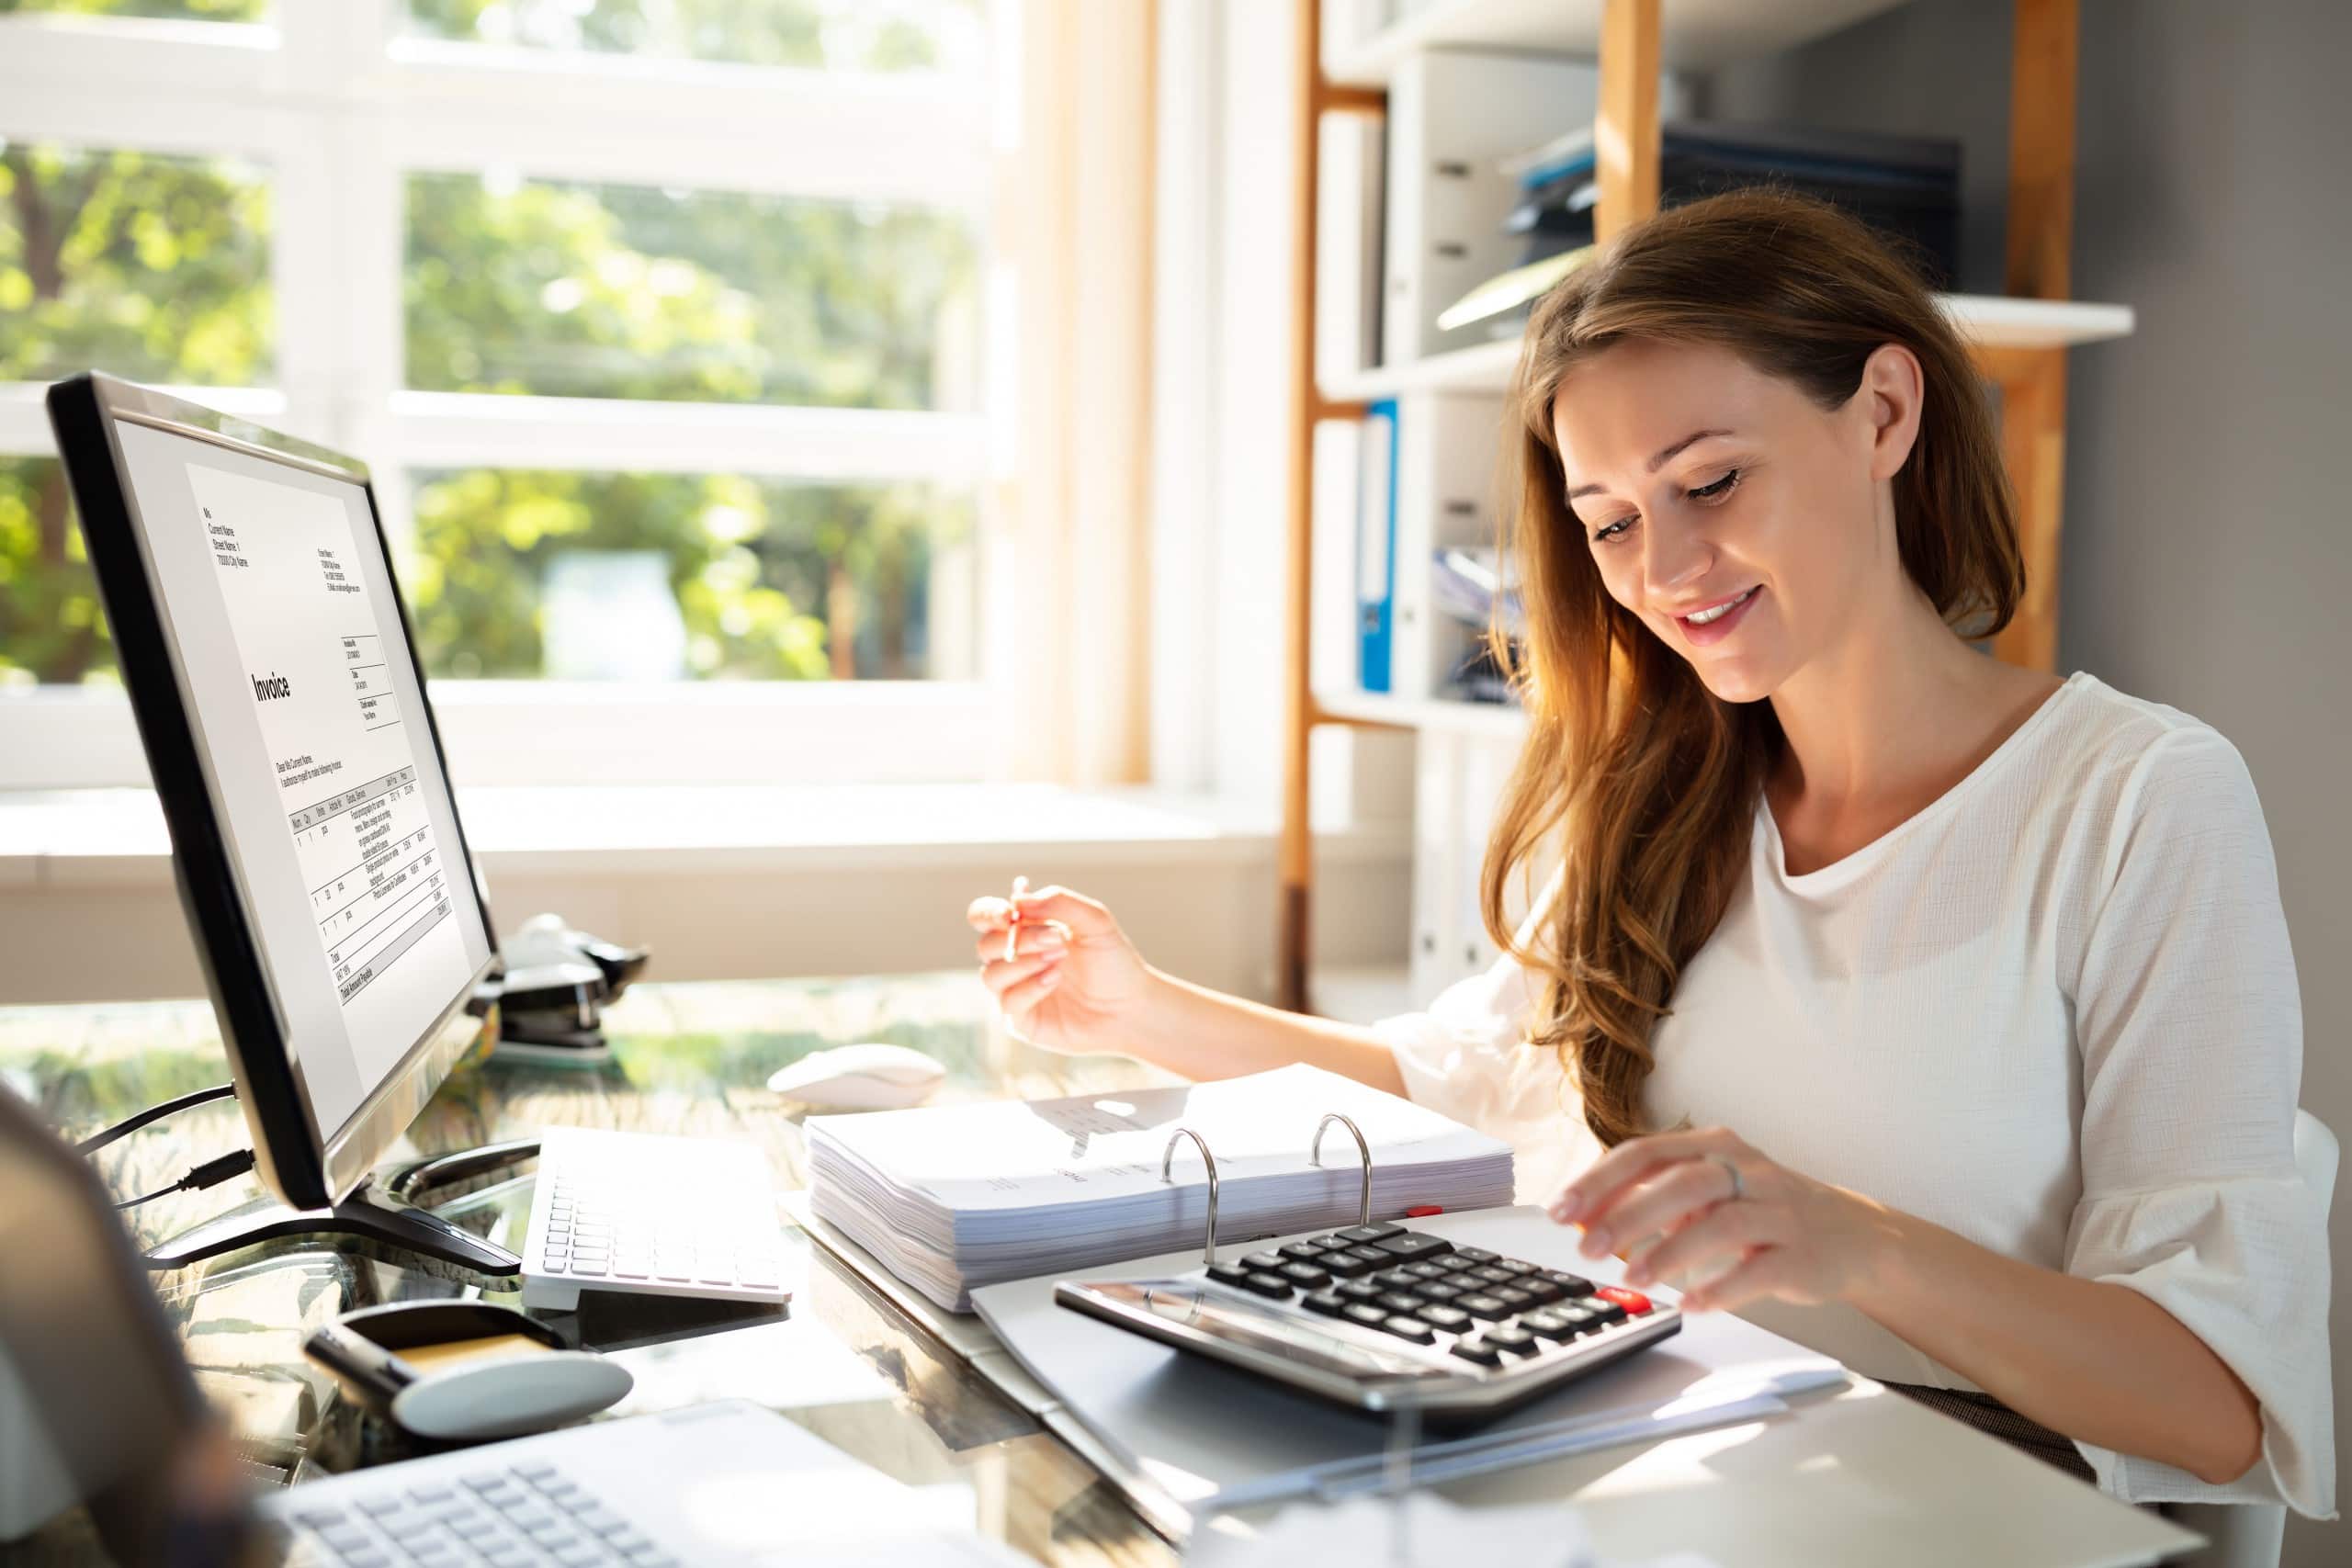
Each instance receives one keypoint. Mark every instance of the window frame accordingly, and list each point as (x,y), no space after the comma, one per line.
(340,106)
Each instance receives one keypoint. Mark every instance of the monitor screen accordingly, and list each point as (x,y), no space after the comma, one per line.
(308,713)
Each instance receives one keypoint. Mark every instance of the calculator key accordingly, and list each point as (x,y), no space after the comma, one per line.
(1476,1254)
(1269,1261)
(1490,1275)
(1325,1304)
(1575,1284)
(1484,1307)
(1426,1271)
(1604,1312)
(1354,1263)
(1549,1325)
(1517,1300)
(1411,1328)
(1453,1262)
(1477,1350)
(1372,1233)
(1413,1245)
(1438,1292)
(1518,1341)
(1360,1311)
(1396,1280)
(1543,1291)
(1399,1300)
(1306,1275)
(1633,1302)
(1304,1251)
(1515,1266)
(1357,1290)
(1580,1319)
(1267,1284)
(1227,1274)
(1448,1318)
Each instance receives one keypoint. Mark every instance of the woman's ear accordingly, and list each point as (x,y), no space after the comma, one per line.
(1890,394)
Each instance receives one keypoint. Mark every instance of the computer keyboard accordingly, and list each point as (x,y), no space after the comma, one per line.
(511,1516)
(1385,1318)
(653,1215)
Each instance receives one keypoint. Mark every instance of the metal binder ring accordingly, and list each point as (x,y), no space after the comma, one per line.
(1208,1245)
(1315,1156)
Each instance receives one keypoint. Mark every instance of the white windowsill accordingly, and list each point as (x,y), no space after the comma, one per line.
(117,837)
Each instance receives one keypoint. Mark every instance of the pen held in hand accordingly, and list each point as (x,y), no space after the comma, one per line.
(1013,918)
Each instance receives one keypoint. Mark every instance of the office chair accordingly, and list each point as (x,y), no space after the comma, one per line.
(2249,1535)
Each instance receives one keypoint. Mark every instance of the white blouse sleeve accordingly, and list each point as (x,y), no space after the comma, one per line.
(1467,1057)
(2191,1030)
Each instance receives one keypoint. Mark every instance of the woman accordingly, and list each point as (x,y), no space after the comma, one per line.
(1933,1012)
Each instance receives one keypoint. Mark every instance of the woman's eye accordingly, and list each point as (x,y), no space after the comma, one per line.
(1603,534)
(1717,490)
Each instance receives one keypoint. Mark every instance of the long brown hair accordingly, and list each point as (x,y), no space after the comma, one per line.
(1643,781)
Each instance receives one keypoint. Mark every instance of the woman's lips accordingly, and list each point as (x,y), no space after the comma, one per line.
(1702,634)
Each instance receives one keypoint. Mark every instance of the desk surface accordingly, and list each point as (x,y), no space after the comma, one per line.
(691,1059)
(842,1361)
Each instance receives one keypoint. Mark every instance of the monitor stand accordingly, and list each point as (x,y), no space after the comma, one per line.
(384,1211)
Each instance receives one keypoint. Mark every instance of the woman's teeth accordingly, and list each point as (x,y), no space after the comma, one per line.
(1720,611)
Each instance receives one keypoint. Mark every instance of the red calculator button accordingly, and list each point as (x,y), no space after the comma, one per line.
(1633,1301)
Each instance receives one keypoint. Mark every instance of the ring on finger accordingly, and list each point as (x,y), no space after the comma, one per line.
(1739,1185)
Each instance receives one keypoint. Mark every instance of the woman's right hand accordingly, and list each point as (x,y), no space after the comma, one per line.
(1075,983)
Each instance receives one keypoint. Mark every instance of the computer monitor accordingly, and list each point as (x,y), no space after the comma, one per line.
(315,840)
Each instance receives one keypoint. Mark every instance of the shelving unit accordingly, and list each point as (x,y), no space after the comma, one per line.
(1697,32)
(2021,338)
(1990,322)
(1496,721)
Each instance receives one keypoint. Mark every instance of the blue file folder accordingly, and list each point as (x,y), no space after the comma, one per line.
(1376,547)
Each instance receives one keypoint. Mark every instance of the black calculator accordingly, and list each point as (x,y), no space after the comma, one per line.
(1382,1318)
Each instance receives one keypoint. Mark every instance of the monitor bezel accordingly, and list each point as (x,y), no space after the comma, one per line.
(306,1165)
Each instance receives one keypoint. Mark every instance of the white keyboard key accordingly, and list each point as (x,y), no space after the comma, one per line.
(635,1211)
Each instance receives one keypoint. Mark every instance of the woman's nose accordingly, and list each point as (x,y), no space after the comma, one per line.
(1678,560)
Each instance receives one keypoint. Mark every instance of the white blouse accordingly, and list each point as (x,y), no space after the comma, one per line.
(2055,1012)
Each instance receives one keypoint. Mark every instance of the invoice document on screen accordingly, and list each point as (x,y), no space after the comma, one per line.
(311,728)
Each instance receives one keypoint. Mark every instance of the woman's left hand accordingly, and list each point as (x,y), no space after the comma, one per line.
(1668,1202)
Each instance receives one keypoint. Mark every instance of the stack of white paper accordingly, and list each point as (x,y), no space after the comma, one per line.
(954,1197)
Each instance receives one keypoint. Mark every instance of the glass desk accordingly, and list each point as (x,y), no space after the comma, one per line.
(687,1059)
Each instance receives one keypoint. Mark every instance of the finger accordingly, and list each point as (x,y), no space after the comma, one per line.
(1714,1239)
(988,914)
(1027,939)
(1631,1161)
(1633,1212)
(1764,1274)
(1084,917)
(1023,999)
(1001,975)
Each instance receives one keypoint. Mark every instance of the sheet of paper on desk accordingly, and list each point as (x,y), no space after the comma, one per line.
(953,1197)
(1418,1530)
(1199,1428)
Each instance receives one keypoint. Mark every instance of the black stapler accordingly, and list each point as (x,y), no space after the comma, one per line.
(557,984)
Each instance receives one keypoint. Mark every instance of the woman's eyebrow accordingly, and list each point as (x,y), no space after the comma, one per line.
(1665,456)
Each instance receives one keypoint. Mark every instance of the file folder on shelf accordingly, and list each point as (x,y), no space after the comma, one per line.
(1376,547)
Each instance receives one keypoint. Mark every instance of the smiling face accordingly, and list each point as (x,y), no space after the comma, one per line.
(1751,530)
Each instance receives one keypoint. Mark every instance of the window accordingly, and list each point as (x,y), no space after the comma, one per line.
(657,314)
(836,35)
(169,10)
(668,576)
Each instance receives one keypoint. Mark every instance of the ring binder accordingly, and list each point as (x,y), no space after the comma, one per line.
(1315,1156)
(1208,1245)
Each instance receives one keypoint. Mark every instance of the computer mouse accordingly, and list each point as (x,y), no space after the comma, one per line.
(860,1077)
(510,1398)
